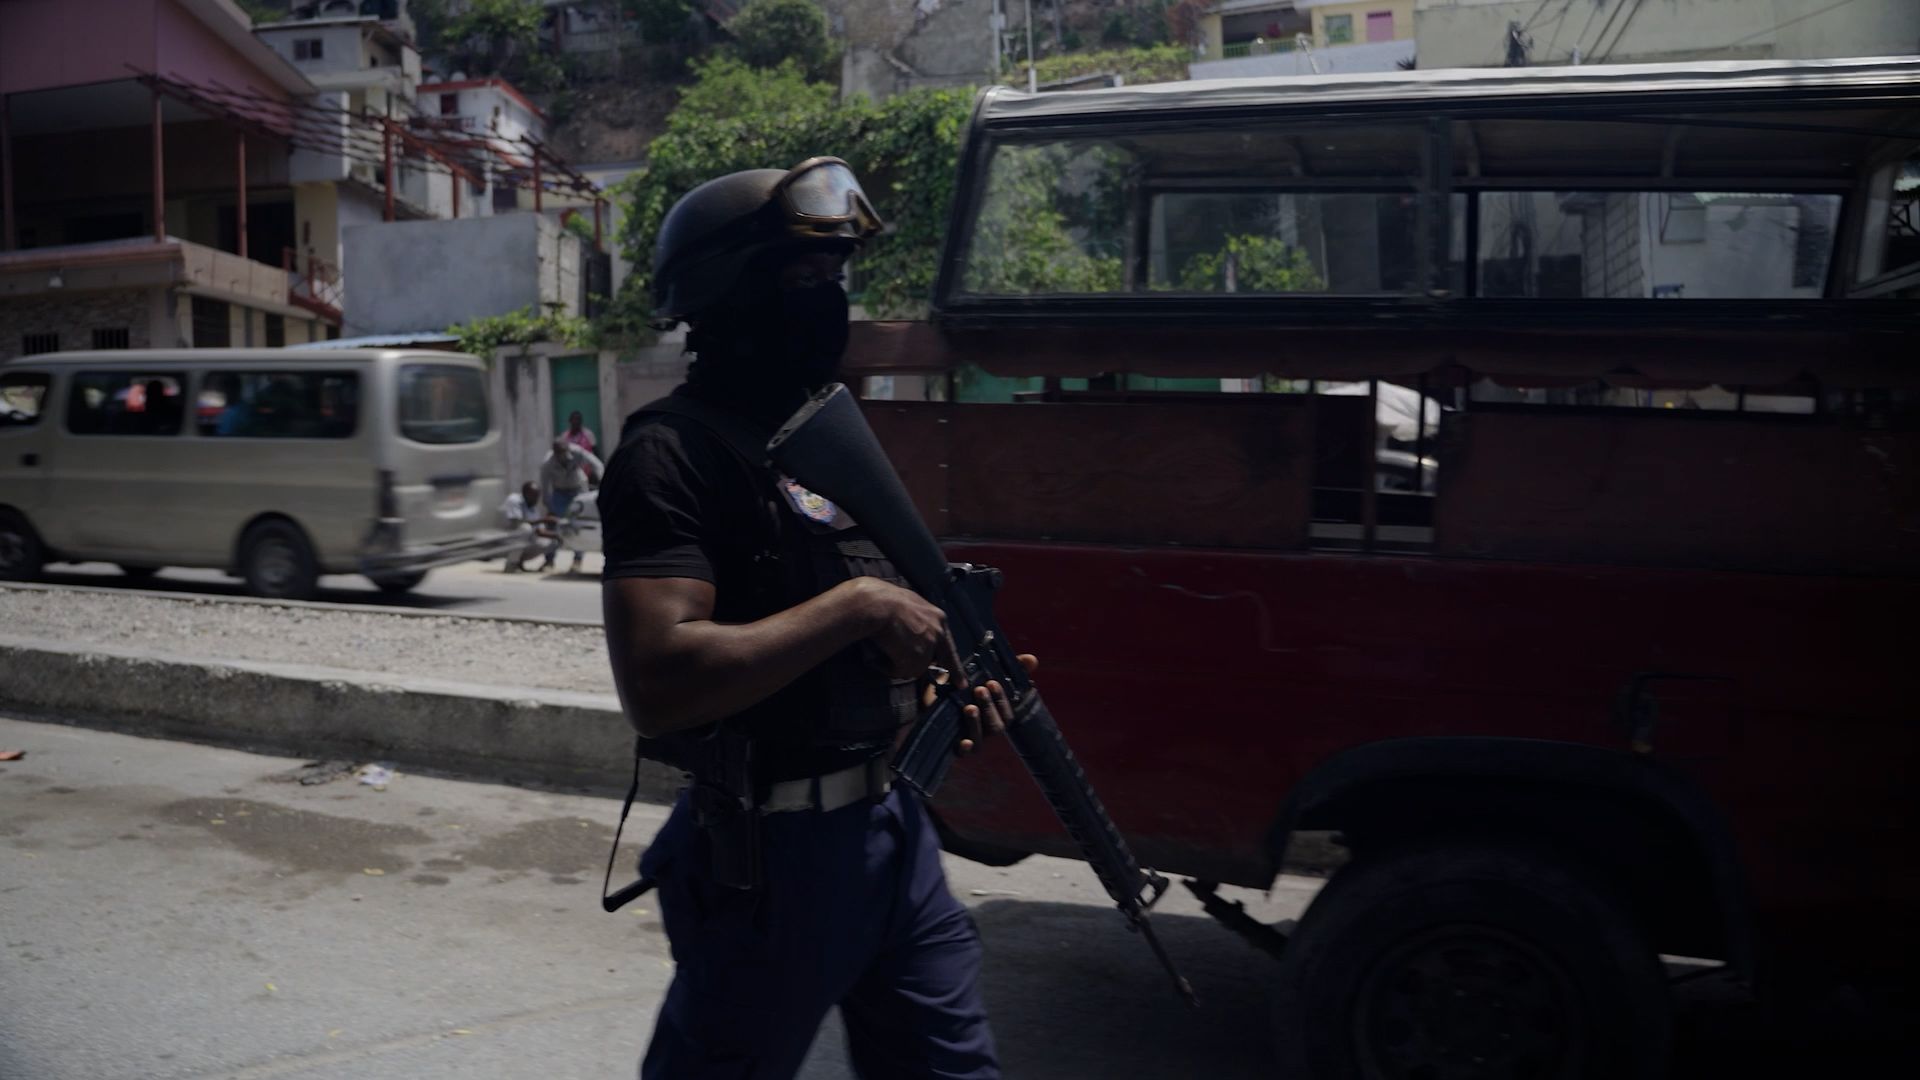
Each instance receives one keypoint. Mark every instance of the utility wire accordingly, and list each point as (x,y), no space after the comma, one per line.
(1784,25)
(1594,49)
(1622,32)
(1588,23)
(1559,24)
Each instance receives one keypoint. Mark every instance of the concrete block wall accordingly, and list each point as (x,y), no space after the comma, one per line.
(75,315)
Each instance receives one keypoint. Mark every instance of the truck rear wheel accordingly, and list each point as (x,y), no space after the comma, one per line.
(1469,960)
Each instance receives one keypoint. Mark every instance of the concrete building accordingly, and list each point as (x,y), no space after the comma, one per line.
(417,275)
(500,121)
(1492,33)
(139,205)
(894,45)
(1655,245)
(1249,38)
(366,66)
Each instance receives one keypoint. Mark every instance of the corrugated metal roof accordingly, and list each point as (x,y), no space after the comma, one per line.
(1897,76)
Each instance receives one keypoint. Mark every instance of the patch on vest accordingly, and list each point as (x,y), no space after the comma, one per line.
(810,506)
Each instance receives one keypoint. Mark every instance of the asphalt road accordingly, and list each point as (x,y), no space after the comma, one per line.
(168,911)
(171,911)
(463,589)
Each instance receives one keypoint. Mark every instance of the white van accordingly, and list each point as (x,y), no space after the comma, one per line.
(275,465)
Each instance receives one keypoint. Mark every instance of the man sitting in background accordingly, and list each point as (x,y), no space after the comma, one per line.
(523,511)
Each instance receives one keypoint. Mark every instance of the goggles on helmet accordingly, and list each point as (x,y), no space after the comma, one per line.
(822,195)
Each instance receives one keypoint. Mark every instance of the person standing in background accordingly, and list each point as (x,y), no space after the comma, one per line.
(578,435)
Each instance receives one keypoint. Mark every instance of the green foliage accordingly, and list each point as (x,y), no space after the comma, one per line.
(487,37)
(1257,264)
(1150,22)
(524,327)
(1025,240)
(576,223)
(1160,63)
(725,88)
(735,118)
(771,32)
(660,21)
(263,11)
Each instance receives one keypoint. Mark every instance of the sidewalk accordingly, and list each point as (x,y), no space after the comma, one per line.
(495,698)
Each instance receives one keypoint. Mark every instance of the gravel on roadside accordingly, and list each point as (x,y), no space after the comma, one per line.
(492,652)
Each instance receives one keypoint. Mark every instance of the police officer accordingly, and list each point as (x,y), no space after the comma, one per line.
(758,640)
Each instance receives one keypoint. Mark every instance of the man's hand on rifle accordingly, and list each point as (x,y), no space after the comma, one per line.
(991,712)
(906,628)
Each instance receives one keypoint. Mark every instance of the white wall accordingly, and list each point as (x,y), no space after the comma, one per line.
(341,45)
(1337,60)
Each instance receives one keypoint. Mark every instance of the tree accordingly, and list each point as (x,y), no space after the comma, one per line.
(769,32)
(660,21)
(725,88)
(1252,263)
(735,117)
(487,36)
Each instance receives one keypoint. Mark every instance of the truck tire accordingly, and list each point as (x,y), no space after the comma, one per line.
(277,562)
(21,553)
(395,584)
(1463,960)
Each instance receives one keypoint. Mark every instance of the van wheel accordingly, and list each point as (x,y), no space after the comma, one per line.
(139,573)
(277,562)
(1466,961)
(396,584)
(21,554)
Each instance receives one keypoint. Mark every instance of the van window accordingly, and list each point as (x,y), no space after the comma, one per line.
(21,393)
(125,403)
(1662,245)
(278,404)
(443,403)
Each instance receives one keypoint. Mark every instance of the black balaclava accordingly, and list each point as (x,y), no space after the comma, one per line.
(765,349)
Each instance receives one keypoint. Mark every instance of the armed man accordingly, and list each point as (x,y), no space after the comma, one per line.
(763,644)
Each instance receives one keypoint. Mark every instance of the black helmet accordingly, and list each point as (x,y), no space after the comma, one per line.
(713,232)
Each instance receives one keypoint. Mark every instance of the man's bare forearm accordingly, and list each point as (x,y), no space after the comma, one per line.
(696,671)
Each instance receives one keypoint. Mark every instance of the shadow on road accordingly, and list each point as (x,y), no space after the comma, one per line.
(328,595)
(1072,994)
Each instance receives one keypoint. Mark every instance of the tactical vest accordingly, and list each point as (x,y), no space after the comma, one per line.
(808,546)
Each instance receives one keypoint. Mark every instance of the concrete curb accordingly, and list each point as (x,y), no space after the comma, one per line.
(188,597)
(544,737)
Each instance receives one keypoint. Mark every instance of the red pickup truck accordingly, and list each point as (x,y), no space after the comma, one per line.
(1511,477)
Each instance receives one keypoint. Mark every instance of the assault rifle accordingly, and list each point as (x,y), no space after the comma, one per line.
(828,448)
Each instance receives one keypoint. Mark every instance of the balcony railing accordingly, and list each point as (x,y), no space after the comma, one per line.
(449,123)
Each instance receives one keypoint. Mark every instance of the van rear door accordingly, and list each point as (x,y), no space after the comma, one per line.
(448,463)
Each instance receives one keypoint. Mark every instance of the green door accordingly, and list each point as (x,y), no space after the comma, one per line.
(576,386)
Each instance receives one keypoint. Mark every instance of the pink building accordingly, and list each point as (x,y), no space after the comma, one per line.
(150,192)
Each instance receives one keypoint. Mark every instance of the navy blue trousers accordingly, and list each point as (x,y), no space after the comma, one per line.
(854,911)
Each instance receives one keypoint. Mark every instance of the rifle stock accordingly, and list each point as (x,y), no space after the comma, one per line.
(828,447)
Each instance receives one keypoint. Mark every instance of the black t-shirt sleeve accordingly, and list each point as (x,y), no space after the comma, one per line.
(654,512)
